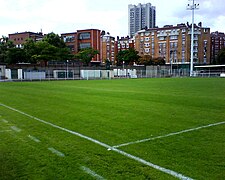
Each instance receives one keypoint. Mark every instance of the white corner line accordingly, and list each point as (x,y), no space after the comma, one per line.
(34,138)
(170,134)
(162,169)
(92,173)
(55,151)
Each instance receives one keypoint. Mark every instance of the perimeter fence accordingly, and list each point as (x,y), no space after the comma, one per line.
(34,73)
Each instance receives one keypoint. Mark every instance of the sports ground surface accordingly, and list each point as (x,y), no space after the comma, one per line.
(113,129)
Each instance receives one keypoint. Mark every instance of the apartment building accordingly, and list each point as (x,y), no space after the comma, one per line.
(141,16)
(173,43)
(71,41)
(125,43)
(87,38)
(19,39)
(217,43)
(108,48)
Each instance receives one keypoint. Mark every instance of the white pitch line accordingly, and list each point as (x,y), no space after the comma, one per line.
(14,128)
(162,169)
(92,173)
(170,134)
(55,151)
(5,121)
(2,131)
(34,138)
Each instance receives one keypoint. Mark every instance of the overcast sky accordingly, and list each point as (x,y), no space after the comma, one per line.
(63,16)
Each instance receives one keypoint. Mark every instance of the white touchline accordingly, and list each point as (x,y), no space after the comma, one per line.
(92,173)
(162,169)
(170,134)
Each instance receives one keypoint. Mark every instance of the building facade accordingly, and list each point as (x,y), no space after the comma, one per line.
(173,43)
(19,39)
(70,40)
(140,17)
(217,43)
(88,38)
(108,48)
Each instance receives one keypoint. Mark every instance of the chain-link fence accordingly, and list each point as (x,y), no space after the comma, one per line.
(30,73)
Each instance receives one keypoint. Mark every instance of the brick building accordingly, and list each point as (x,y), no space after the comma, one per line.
(108,48)
(217,43)
(19,39)
(173,43)
(88,38)
(71,41)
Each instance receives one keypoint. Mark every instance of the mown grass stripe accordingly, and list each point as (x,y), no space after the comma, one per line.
(162,169)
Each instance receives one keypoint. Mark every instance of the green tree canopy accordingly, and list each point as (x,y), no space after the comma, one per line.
(148,60)
(5,45)
(145,60)
(51,48)
(16,55)
(86,55)
(221,57)
(128,56)
(55,40)
(44,52)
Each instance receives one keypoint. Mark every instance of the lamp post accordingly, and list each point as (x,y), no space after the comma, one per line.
(192,6)
(171,63)
(67,69)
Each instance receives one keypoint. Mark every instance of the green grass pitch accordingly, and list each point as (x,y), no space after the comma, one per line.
(112,112)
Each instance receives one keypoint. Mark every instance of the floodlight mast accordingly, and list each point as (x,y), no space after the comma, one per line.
(192,6)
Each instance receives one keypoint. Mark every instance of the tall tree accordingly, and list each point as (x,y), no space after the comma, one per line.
(5,45)
(16,55)
(55,40)
(44,52)
(30,50)
(128,56)
(145,60)
(86,55)
(221,57)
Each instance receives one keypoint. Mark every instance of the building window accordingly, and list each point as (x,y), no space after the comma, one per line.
(161,38)
(147,44)
(85,35)
(147,50)
(68,38)
(173,37)
(147,39)
(85,45)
